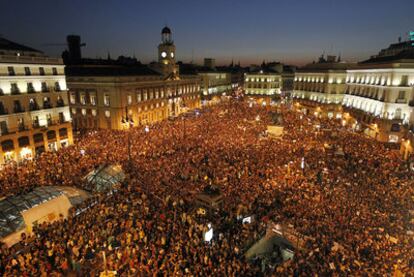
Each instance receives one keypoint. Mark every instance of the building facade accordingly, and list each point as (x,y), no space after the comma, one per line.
(380,93)
(34,110)
(104,92)
(322,82)
(262,83)
(214,83)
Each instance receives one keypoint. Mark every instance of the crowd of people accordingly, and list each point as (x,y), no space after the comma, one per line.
(356,205)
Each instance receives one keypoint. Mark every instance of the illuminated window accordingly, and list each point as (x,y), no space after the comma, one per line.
(72,98)
(107,113)
(93,99)
(129,99)
(83,111)
(139,97)
(94,112)
(106,100)
(82,99)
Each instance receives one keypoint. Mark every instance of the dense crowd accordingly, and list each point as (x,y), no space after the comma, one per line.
(356,205)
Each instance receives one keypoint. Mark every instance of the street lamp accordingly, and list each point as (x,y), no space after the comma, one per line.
(129,123)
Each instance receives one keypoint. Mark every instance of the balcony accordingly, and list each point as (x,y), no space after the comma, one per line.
(18,110)
(22,128)
(34,107)
(47,106)
(3,111)
(401,101)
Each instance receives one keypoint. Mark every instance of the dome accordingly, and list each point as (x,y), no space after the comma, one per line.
(166,30)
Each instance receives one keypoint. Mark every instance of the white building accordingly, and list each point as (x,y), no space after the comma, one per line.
(34,112)
(322,82)
(265,82)
(380,91)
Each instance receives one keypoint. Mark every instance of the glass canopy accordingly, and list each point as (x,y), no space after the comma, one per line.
(105,178)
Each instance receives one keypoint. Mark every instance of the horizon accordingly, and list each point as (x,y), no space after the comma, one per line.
(233,30)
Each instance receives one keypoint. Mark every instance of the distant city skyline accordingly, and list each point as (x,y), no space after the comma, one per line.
(293,32)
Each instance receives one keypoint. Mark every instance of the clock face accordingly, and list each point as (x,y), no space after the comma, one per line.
(163,54)
(172,54)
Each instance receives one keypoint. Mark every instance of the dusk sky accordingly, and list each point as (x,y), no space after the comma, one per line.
(294,31)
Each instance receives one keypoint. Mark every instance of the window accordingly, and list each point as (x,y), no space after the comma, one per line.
(145,95)
(27,71)
(401,94)
(94,112)
(17,107)
(41,71)
(129,99)
(82,99)
(106,100)
(14,89)
(11,70)
(44,87)
(3,128)
(46,103)
(54,70)
(35,123)
(60,102)
(139,97)
(404,81)
(33,105)
(107,113)
(30,88)
(72,98)
(93,100)
(49,121)
(2,109)
(57,86)
(20,124)
(84,112)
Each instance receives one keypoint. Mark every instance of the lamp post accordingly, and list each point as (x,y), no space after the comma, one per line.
(128,122)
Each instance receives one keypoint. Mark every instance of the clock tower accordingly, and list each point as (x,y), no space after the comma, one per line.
(166,49)
(166,56)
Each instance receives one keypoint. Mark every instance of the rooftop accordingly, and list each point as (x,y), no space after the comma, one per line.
(103,70)
(8,45)
(405,56)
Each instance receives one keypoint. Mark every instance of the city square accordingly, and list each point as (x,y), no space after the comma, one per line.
(190,166)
